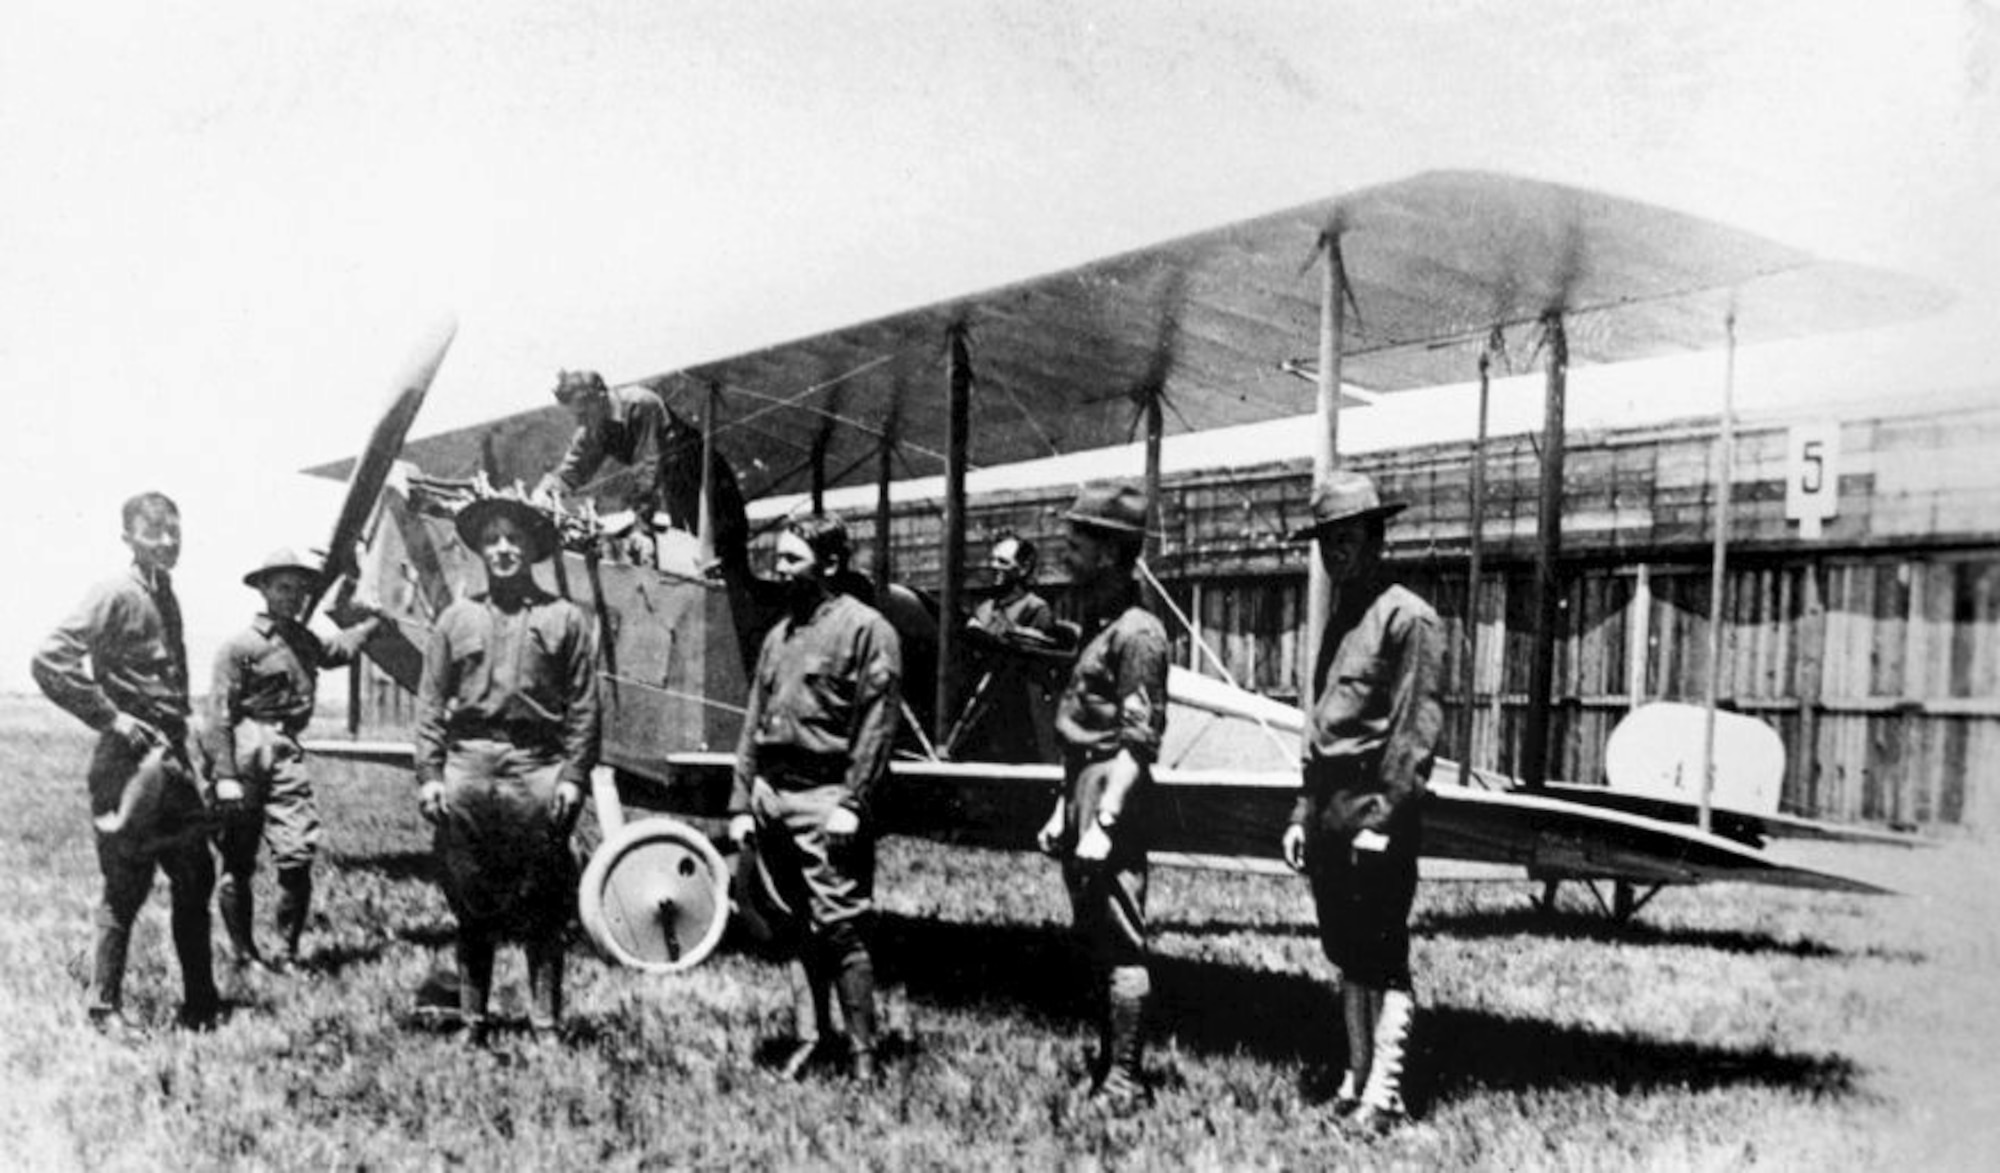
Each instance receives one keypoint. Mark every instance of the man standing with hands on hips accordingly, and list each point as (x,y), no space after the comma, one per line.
(1357,828)
(1110,721)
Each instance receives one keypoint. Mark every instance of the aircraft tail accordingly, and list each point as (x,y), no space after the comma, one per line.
(1656,752)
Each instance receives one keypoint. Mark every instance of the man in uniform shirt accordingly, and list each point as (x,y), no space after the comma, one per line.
(1014,694)
(1110,721)
(119,665)
(507,733)
(1356,830)
(816,738)
(264,686)
(635,427)
(1014,605)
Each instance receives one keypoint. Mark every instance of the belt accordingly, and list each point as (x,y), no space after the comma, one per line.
(522,733)
(795,769)
(1343,773)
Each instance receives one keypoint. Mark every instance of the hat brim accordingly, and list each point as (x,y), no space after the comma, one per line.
(1092,521)
(257,577)
(1314,530)
(535,525)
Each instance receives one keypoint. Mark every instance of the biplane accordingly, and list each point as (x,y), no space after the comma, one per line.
(1405,285)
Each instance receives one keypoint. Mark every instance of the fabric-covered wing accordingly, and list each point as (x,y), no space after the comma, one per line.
(1744,826)
(1435,263)
(1213,814)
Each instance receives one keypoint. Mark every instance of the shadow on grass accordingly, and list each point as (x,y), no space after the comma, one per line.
(334,958)
(1585,926)
(390,865)
(1289,1019)
(1468,1050)
(1219,927)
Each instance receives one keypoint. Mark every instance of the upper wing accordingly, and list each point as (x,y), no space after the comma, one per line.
(1435,263)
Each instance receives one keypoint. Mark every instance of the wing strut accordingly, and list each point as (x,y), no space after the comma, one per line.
(1717,579)
(958,398)
(1548,552)
(885,471)
(1469,675)
(1333,296)
(705,507)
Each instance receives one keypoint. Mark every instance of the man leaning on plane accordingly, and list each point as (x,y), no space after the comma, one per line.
(1015,693)
(1357,828)
(630,425)
(264,689)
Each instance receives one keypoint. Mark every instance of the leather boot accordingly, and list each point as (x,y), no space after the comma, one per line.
(1100,1063)
(237,904)
(545,985)
(107,975)
(475,984)
(1382,1098)
(295,886)
(1124,1085)
(201,1002)
(812,1015)
(857,1005)
(1357,1010)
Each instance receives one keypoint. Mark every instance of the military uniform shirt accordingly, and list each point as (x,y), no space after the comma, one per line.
(1375,720)
(1027,611)
(129,628)
(1117,694)
(631,435)
(270,672)
(524,674)
(827,691)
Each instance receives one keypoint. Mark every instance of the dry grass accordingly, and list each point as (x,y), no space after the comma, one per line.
(1730,1027)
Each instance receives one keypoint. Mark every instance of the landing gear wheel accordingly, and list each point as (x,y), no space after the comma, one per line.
(655,896)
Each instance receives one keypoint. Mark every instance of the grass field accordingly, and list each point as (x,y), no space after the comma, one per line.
(1730,1027)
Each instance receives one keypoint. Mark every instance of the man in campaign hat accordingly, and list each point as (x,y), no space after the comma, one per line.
(1356,829)
(507,733)
(264,686)
(1109,721)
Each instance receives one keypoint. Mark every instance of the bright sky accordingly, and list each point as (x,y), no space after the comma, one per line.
(224,223)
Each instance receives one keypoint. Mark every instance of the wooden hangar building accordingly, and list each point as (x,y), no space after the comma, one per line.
(1873,647)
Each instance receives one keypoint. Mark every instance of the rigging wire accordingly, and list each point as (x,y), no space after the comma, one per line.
(1160,592)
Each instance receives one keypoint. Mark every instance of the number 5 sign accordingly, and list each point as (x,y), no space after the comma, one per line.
(1812,476)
